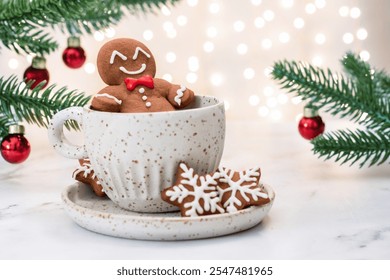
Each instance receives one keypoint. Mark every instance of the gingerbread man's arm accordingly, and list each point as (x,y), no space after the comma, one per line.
(179,96)
(107,100)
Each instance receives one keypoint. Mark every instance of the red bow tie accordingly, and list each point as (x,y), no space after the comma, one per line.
(144,81)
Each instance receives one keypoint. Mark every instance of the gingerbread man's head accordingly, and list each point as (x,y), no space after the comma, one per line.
(124,58)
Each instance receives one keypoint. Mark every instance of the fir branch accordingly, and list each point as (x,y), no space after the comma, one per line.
(25,21)
(363,97)
(25,38)
(46,10)
(36,106)
(334,93)
(95,16)
(348,146)
(145,6)
(22,24)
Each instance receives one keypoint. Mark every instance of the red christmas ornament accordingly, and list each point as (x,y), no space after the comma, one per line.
(311,124)
(37,72)
(74,55)
(15,148)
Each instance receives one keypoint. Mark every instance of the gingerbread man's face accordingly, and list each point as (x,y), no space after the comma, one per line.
(124,58)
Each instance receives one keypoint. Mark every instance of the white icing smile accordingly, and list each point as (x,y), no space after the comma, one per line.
(124,70)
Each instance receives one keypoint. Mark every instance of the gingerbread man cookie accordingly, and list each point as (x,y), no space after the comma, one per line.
(128,68)
(195,195)
(86,175)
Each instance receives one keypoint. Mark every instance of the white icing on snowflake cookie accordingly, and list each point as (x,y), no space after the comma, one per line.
(195,195)
(239,190)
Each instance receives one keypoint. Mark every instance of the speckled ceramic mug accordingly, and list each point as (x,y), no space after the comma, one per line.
(135,155)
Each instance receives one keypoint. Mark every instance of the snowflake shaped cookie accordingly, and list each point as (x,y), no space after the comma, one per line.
(195,195)
(239,190)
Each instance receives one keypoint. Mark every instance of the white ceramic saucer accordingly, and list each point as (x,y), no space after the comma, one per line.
(101,215)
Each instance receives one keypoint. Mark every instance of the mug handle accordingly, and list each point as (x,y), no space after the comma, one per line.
(56,134)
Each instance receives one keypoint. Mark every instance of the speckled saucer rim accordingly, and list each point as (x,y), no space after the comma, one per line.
(152,216)
(185,110)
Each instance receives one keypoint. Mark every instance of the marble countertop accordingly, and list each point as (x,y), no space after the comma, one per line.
(322,210)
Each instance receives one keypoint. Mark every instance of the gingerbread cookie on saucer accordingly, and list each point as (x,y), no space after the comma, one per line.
(242,189)
(128,67)
(86,175)
(195,195)
(224,191)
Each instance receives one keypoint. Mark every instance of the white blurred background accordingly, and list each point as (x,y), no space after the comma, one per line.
(226,48)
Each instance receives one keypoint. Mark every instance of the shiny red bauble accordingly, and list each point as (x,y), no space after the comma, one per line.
(37,72)
(74,55)
(311,124)
(15,148)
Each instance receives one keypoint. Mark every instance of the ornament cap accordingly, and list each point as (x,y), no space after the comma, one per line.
(310,112)
(16,129)
(39,62)
(73,42)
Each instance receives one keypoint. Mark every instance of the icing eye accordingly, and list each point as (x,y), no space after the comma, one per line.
(116,53)
(139,49)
